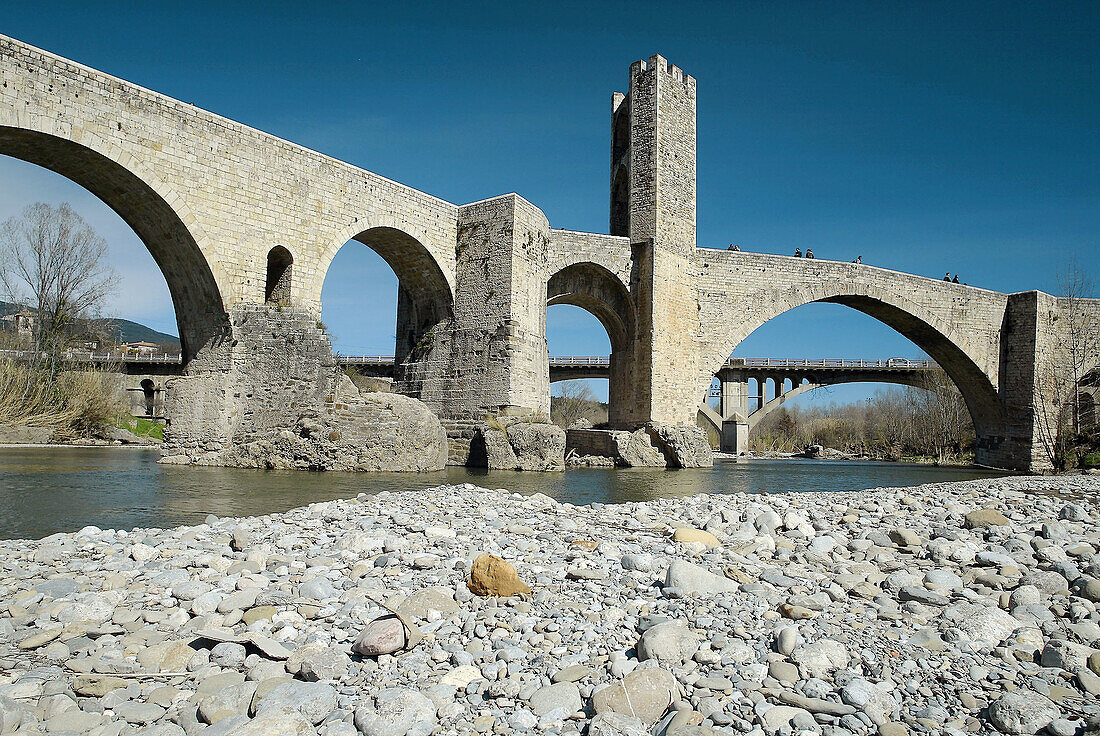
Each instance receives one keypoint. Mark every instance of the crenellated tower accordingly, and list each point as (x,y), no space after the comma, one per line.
(653,203)
(653,156)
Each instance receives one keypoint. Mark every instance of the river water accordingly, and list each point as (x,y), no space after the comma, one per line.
(47,490)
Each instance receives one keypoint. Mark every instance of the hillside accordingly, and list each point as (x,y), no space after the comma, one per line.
(121,330)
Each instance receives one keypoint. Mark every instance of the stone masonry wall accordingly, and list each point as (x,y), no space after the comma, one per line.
(958,326)
(239,191)
(285,404)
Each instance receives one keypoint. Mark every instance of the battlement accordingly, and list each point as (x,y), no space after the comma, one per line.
(658,63)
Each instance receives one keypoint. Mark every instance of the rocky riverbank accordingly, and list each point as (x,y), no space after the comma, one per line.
(947,608)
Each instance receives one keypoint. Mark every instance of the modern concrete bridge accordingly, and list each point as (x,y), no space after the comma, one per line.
(734,419)
(244,227)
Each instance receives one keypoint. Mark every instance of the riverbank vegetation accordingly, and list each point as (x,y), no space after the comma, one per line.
(72,404)
(576,406)
(930,421)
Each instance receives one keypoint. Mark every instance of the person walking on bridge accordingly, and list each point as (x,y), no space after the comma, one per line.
(947,276)
(809,253)
(955,280)
(797,252)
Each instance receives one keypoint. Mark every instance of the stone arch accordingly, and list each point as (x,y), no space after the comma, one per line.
(156,215)
(601,293)
(930,333)
(149,396)
(424,296)
(280,268)
(598,291)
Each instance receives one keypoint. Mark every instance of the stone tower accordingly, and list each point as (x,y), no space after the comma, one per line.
(653,203)
(653,156)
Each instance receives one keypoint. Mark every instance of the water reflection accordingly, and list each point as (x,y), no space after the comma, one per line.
(45,490)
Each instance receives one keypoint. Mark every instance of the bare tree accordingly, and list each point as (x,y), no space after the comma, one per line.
(52,260)
(576,402)
(939,413)
(1074,350)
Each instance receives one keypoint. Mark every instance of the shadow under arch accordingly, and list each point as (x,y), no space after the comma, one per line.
(424,297)
(601,293)
(200,311)
(939,341)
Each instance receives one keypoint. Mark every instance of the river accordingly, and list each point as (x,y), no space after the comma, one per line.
(48,490)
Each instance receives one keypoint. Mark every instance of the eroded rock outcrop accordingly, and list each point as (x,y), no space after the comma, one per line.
(684,446)
(653,445)
(518,444)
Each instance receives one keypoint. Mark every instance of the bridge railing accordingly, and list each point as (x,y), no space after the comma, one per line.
(364,359)
(899,363)
(560,361)
(81,356)
(556,361)
(568,360)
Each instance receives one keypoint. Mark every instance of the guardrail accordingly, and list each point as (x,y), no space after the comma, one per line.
(77,356)
(555,361)
(364,359)
(900,363)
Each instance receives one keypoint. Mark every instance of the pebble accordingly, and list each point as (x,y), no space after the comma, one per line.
(889,611)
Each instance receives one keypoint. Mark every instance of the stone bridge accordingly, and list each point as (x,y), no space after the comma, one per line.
(244,226)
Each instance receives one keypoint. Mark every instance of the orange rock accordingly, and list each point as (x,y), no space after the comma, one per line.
(491,575)
(585,544)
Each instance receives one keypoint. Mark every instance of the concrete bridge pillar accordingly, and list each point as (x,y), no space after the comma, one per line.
(733,393)
(735,435)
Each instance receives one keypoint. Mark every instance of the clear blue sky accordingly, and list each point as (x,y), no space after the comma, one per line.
(926,137)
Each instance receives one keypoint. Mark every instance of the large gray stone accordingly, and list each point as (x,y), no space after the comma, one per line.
(564,695)
(397,712)
(1022,712)
(637,450)
(820,658)
(313,700)
(644,694)
(695,580)
(610,723)
(339,428)
(511,444)
(537,446)
(670,643)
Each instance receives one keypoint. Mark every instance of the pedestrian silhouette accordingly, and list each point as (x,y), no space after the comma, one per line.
(955,280)
(859,259)
(947,276)
(809,253)
(797,252)
(734,247)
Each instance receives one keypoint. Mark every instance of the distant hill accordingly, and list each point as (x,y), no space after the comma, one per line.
(122,330)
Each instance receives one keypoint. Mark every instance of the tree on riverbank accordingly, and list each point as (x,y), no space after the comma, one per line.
(576,402)
(53,260)
(926,421)
(1064,411)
